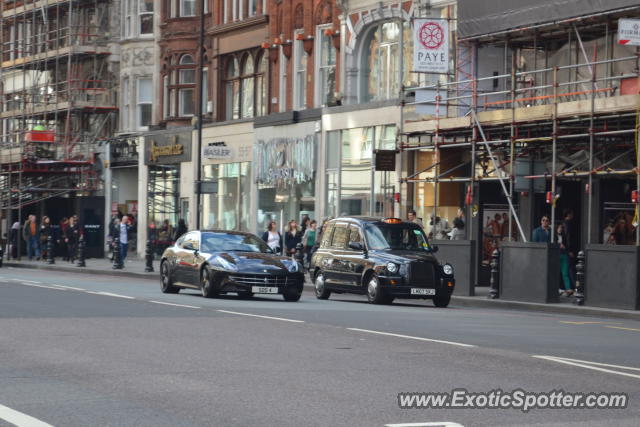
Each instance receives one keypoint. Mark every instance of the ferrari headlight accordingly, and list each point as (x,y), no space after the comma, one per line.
(392,268)
(293,267)
(447,269)
(226,264)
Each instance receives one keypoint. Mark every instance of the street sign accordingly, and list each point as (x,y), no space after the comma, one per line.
(385,160)
(629,32)
(431,45)
(207,187)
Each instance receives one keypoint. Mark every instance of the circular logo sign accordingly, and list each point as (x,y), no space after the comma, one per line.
(431,35)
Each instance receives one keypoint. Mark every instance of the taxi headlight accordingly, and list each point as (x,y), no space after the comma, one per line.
(447,269)
(392,268)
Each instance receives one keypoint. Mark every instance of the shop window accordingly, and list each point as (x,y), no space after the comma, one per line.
(300,59)
(325,67)
(229,208)
(163,203)
(144,102)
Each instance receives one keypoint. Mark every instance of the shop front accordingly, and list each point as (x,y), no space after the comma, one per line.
(284,169)
(165,187)
(226,163)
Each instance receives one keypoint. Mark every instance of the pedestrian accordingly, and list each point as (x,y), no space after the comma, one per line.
(561,238)
(114,231)
(272,237)
(31,235)
(14,235)
(309,240)
(72,236)
(292,237)
(411,217)
(439,229)
(571,242)
(304,225)
(124,234)
(457,233)
(62,243)
(608,238)
(45,232)
(180,230)
(542,234)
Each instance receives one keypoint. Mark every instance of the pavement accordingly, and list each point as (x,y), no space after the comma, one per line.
(105,350)
(135,268)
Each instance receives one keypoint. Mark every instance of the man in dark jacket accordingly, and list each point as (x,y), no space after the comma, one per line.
(542,234)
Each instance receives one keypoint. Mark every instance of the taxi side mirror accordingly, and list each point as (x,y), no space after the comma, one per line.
(434,249)
(356,246)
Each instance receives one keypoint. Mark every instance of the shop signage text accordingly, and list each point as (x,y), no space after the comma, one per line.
(431,45)
(385,160)
(217,150)
(166,150)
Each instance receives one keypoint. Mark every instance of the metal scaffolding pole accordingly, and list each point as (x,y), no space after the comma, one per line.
(554,142)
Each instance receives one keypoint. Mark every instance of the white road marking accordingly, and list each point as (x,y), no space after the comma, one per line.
(177,305)
(590,365)
(19,419)
(42,286)
(263,317)
(109,294)
(69,287)
(28,281)
(432,424)
(411,338)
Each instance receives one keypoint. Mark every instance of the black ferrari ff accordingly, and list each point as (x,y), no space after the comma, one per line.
(217,262)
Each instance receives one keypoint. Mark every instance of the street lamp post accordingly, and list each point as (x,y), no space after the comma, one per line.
(200,114)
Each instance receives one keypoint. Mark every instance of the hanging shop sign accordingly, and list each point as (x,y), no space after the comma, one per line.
(629,32)
(284,160)
(167,149)
(431,45)
(217,150)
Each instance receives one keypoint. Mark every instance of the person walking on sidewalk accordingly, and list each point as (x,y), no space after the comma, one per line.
(125,230)
(180,230)
(292,237)
(71,237)
(62,236)
(45,232)
(542,234)
(31,235)
(309,240)
(561,238)
(272,237)
(14,235)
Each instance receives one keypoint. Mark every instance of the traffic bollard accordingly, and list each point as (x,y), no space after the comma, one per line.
(299,253)
(117,264)
(50,259)
(580,282)
(149,257)
(494,292)
(81,246)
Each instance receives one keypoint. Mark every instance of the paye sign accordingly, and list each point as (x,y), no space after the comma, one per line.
(431,45)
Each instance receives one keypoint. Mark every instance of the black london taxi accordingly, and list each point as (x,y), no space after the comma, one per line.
(382,258)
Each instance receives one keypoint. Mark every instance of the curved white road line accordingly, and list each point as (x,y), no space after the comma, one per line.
(19,419)
(262,317)
(589,365)
(411,337)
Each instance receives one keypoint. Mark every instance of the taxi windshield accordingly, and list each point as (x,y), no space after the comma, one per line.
(396,237)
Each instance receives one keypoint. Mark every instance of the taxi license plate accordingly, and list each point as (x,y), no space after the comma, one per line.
(263,290)
(422,291)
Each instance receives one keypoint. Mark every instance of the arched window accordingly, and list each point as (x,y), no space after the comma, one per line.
(186,86)
(380,78)
(232,89)
(247,88)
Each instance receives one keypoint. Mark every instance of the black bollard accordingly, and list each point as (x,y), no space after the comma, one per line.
(299,253)
(149,257)
(578,296)
(494,292)
(50,259)
(81,245)
(117,264)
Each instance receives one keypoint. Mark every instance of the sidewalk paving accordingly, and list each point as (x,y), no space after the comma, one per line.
(134,268)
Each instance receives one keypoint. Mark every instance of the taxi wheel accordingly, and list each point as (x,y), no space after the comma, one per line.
(441,300)
(375,294)
(207,287)
(165,280)
(292,295)
(320,289)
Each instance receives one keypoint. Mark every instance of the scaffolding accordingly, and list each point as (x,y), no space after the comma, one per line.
(566,99)
(57,98)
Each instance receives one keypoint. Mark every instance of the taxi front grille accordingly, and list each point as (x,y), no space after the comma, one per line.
(422,274)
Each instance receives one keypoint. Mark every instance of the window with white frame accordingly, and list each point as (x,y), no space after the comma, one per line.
(165,96)
(187,8)
(145,17)
(300,59)
(245,90)
(126,102)
(205,90)
(325,66)
(284,62)
(380,68)
(186,86)
(252,8)
(144,101)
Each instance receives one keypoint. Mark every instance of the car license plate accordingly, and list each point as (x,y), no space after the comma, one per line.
(263,290)
(422,291)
